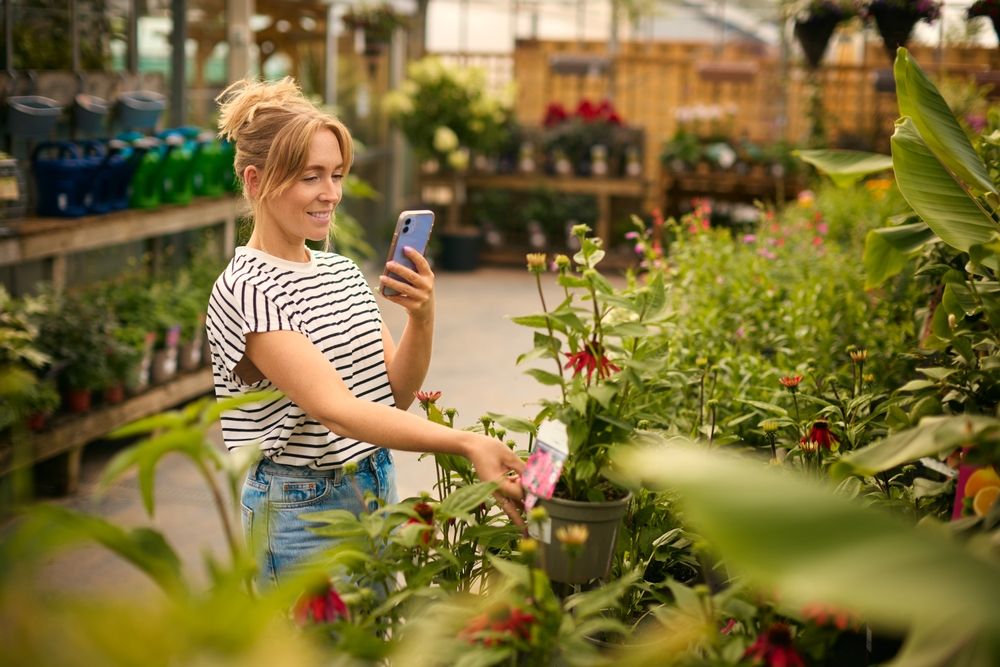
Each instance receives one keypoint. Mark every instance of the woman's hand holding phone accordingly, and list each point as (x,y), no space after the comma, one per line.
(411,288)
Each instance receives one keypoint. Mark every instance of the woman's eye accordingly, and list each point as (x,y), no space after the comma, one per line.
(309,178)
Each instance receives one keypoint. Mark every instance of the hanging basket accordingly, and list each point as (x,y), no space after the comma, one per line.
(814,35)
(895,25)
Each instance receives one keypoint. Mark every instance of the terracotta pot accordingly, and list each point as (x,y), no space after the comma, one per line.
(77,400)
(114,394)
(602,520)
(37,422)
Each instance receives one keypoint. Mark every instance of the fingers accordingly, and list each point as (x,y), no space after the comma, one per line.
(511,509)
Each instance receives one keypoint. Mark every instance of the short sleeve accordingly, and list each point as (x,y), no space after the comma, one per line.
(238,308)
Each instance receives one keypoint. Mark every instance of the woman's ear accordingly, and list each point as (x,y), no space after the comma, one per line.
(251,178)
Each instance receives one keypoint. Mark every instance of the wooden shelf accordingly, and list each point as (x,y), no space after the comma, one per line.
(41,238)
(72,432)
(602,189)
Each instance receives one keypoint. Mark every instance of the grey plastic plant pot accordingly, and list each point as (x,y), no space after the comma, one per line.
(460,249)
(139,109)
(603,521)
(31,116)
(90,113)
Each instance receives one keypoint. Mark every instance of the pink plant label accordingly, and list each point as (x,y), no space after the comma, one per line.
(542,470)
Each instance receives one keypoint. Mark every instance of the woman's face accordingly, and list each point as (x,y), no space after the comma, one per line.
(305,209)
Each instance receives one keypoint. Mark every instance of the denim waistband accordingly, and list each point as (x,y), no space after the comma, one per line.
(378,457)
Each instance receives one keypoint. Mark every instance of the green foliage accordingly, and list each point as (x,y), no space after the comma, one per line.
(811,545)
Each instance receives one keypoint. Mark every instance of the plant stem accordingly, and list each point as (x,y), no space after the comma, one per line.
(548,325)
(220,505)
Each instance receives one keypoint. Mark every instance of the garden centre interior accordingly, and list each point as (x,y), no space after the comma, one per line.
(722,274)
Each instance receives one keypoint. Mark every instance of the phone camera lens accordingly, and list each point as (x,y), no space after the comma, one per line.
(406,229)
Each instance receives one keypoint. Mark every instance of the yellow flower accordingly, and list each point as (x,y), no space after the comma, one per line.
(536,262)
(574,535)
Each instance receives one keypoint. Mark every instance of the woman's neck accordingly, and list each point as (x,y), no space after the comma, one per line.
(276,245)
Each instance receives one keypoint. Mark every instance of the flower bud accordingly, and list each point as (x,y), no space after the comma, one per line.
(952,321)
(536,262)
(769,425)
(527,546)
(538,515)
(351,468)
(573,535)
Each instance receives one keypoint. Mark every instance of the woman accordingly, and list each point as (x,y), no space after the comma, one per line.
(306,323)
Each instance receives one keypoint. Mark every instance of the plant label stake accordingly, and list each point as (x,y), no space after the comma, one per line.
(545,464)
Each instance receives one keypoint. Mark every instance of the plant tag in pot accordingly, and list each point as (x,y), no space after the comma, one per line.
(545,464)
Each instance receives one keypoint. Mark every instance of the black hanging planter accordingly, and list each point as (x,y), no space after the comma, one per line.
(814,35)
(895,25)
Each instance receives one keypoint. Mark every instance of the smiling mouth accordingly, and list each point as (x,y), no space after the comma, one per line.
(321,216)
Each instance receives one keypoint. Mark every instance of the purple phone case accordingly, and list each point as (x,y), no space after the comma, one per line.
(413,229)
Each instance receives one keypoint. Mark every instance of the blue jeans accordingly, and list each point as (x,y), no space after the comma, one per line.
(274,496)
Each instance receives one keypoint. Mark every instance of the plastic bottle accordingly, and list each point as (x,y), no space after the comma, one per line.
(144,191)
(207,166)
(176,176)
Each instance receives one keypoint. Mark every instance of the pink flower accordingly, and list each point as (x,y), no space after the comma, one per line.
(749,238)
(774,648)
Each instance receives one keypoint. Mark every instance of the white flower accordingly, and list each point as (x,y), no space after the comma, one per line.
(459,159)
(445,139)
(397,103)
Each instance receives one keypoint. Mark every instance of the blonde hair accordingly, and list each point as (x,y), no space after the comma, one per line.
(271,125)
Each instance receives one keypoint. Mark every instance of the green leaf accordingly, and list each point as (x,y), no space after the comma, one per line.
(144,548)
(515,424)
(544,377)
(936,123)
(800,539)
(465,499)
(932,192)
(845,167)
(603,394)
(933,435)
(886,250)
(917,385)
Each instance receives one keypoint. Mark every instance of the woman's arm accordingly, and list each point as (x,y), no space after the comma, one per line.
(296,367)
(407,364)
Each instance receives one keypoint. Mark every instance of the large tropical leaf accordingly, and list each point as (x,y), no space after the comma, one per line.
(933,435)
(799,538)
(846,167)
(920,100)
(936,197)
(887,249)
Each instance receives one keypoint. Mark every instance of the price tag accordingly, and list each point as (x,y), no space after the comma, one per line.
(542,470)
(8,189)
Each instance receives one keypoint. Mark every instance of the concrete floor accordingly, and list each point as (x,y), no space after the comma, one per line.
(475,348)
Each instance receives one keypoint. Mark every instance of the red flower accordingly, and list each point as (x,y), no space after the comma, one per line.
(774,648)
(791,381)
(427,396)
(825,615)
(322,606)
(819,436)
(500,624)
(426,513)
(554,114)
(584,359)
(587,111)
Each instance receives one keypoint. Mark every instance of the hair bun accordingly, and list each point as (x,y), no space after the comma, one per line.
(240,103)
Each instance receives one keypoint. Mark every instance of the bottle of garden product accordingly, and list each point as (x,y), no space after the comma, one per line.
(144,191)
(207,166)
(176,181)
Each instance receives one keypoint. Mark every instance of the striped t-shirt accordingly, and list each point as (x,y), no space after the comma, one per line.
(326,299)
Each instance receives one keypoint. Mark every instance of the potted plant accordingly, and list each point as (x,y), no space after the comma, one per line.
(166,345)
(989,8)
(376,21)
(600,340)
(134,307)
(73,331)
(190,304)
(35,396)
(447,114)
(592,131)
(815,24)
(895,19)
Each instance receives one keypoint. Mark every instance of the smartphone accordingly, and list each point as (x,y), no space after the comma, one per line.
(413,230)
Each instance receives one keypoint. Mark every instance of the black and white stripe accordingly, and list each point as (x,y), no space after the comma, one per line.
(328,301)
